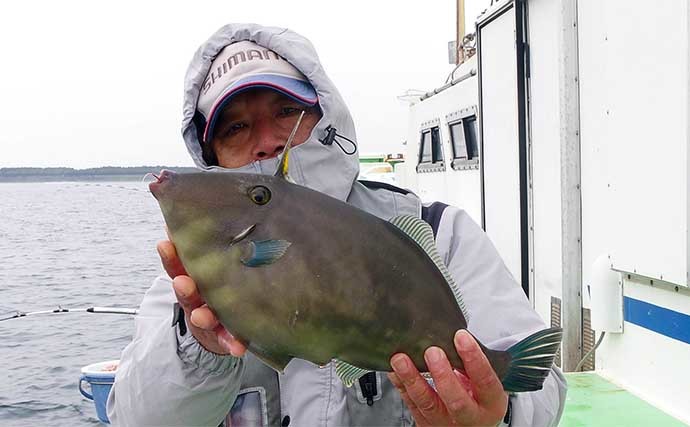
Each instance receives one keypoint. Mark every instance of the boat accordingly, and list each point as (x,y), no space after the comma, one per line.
(564,131)
(379,167)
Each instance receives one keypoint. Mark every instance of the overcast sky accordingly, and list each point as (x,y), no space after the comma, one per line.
(96,83)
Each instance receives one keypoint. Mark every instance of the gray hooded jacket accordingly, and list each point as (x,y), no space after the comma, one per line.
(167,379)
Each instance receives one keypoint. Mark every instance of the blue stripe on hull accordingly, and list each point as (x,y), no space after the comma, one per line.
(658,319)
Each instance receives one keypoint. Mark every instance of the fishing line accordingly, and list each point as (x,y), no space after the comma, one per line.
(60,309)
(122,187)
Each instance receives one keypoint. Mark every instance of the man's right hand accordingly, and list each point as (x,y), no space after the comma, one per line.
(201,321)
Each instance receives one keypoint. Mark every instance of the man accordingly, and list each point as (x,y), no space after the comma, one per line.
(244,91)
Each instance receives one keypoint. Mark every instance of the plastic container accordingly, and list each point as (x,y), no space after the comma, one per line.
(100,377)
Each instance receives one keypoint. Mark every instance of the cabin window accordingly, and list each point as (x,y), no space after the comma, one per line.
(425,156)
(469,125)
(464,140)
(436,152)
(457,138)
(430,150)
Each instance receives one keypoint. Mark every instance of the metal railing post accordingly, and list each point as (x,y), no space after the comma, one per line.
(571,197)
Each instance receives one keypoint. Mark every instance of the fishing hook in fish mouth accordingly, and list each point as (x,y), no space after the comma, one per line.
(158,178)
(244,233)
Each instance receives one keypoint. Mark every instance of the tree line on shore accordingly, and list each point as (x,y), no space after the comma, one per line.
(69,174)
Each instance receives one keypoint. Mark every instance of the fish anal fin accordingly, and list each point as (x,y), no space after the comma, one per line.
(347,373)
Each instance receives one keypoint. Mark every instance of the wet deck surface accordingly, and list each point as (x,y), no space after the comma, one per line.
(593,401)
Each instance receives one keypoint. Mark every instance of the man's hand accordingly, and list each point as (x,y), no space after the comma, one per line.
(201,321)
(475,398)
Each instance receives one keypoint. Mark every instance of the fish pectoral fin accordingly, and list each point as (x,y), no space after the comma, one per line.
(264,252)
(420,231)
(347,373)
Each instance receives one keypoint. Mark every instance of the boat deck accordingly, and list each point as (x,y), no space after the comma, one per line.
(593,401)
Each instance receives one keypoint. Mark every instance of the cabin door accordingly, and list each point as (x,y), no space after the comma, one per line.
(503,127)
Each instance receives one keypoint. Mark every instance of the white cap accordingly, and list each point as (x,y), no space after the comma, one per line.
(245,65)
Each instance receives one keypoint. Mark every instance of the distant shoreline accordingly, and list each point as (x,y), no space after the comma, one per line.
(108,173)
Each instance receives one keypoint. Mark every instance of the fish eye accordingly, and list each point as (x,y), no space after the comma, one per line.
(260,195)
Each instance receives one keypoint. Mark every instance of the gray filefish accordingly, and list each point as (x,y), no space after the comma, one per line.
(292,272)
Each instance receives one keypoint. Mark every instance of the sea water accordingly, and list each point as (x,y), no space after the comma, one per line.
(69,244)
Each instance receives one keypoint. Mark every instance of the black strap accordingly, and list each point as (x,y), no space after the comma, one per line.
(368,385)
(432,215)
(509,413)
(178,319)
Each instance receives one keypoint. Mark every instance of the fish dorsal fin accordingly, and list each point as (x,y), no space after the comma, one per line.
(347,373)
(420,231)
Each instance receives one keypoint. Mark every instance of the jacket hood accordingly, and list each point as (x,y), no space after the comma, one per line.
(324,168)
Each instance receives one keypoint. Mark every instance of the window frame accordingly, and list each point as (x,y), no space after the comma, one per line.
(457,118)
(431,166)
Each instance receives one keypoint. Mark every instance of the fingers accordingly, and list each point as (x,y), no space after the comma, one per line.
(204,318)
(200,315)
(187,294)
(171,262)
(451,390)
(203,322)
(234,346)
(418,391)
(485,383)
(473,398)
(411,406)
(464,381)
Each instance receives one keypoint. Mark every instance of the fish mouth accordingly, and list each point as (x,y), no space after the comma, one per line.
(163,178)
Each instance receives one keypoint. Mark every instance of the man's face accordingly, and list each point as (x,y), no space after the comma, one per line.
(256,126)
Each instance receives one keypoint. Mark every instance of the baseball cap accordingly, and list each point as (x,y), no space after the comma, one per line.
(246,65)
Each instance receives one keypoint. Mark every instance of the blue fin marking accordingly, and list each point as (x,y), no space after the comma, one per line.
(265,252)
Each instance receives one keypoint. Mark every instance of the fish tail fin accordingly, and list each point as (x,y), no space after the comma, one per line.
(531,360)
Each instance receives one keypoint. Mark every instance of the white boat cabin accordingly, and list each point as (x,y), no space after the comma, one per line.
(566,137)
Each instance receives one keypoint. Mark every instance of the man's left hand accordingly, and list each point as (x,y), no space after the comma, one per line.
(473,398)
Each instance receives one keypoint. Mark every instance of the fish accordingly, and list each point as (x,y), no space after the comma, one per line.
(294,273)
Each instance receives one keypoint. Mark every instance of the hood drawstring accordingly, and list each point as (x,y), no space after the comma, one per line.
(329,139)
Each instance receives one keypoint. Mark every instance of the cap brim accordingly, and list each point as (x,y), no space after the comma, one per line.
(297,90)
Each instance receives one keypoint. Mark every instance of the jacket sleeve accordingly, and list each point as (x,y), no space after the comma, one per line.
(499,313)
(165,379)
